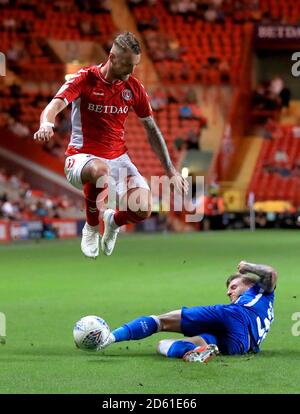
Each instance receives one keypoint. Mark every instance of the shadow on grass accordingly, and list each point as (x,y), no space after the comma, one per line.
(125,356)
(44,352)
(34,354)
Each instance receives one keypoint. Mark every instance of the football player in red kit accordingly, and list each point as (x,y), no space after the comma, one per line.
(101,98)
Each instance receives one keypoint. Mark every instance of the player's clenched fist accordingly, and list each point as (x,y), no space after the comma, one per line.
(242,267)
(45,132)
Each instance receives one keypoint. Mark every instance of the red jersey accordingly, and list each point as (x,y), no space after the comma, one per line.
(99,111)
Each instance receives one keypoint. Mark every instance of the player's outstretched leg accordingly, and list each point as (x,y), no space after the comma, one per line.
(187,350)
(111,231)
(138,328)
(90,241)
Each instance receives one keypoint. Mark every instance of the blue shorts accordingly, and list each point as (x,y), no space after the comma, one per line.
(223,325)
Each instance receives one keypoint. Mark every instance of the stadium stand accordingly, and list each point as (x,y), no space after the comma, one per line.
(20,201)
(187,48)
(277,173)
(193,45)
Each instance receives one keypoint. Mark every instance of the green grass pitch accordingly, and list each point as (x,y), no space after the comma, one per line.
(46,287)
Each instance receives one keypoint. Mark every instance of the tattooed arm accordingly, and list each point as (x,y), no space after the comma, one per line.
(159,146)
(267,275)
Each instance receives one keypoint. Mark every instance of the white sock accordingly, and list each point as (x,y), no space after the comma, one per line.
(92,228)
(164,346)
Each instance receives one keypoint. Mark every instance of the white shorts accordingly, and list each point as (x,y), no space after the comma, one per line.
(118,167)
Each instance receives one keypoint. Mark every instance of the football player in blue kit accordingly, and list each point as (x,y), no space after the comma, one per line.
(235,328)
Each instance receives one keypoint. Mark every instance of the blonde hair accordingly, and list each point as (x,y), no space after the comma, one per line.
(248,278)
(127,41)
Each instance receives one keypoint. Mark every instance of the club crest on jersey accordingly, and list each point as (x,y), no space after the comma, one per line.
(127,94)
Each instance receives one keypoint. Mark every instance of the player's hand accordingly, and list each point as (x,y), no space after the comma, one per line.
(44,133)
(180,183)
(243,267)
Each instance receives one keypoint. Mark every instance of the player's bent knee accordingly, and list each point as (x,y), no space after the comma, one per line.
(144,212)
(137,216)
(99,170)
(93,171)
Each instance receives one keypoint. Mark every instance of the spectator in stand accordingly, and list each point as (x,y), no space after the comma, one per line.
(9,24)
(285,96)
(192,140)
(272,101)
(260,219)
(272,130)
(18,129)
(158,100)
(152,23)
(40,210)
(15,90)
(185,112)
(190,96)
(7,208)
(16,180)
(269,168)
(281,156)
(85,27)
(258,99)
(213,211)
(276,85)
(224,69)
(3,176)
(175,94)
(174,51)
(211,15)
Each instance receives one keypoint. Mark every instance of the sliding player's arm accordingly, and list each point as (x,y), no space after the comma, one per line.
(47,119)
(267,275)
(159,146)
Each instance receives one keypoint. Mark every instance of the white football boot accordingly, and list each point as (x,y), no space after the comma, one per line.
(90,241)
(202,354)
(104,344)
(110,234)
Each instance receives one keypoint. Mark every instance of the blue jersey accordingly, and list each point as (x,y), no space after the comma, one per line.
(236,328)
(257,306)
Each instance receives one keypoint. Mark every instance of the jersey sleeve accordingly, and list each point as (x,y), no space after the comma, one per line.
(73,88)
(142,105)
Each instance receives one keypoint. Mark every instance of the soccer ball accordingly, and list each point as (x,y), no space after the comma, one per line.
(90,333)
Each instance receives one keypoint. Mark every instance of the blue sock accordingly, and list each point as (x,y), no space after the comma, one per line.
(137,329)
(179,348)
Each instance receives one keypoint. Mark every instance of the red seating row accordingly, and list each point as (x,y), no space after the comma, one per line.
(277,176)
(199,41)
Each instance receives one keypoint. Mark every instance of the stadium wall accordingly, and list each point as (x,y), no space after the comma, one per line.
(37,229)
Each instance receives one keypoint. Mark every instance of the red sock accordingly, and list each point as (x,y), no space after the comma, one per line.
(125,217)
(90,196)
